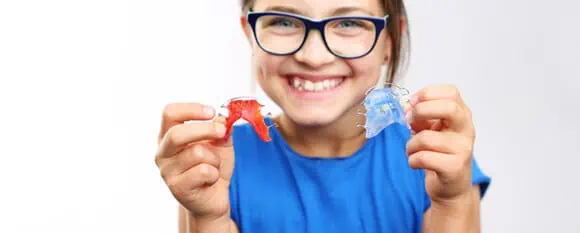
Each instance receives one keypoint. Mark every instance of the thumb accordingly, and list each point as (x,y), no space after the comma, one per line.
(225,151)
(225,142)
(418,126)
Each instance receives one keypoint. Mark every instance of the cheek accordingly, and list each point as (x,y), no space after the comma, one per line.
(266,72)
(366,70)
(267,66)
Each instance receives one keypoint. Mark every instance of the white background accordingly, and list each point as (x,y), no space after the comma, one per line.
(83,84)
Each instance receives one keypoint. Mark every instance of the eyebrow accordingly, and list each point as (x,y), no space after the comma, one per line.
(346,10)
(335,12)
(283,9)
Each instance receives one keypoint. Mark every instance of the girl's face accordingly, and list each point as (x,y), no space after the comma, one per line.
(312,86)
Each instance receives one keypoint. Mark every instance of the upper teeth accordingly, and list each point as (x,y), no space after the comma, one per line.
(307,85)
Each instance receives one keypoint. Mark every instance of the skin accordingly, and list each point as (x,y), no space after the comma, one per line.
(317,127)
(197,165)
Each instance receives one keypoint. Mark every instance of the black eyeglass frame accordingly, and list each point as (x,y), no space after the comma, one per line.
(319,25)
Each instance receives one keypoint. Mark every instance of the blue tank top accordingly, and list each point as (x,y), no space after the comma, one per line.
(275,189)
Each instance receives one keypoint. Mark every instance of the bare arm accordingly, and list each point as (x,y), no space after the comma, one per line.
(459,216)
(187,223)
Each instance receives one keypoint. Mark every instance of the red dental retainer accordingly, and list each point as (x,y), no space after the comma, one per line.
(249,109)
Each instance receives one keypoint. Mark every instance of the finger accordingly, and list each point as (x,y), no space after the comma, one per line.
(406,106)
(430,160)
(437,92)
(182,135)
(442,142)
(220,119)
(202,175)
(188,158)
(448,111)
(445,165)
(228,142)
(177,113)
(193,179)
(418,126)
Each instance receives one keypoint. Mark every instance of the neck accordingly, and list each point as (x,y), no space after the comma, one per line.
(341,138)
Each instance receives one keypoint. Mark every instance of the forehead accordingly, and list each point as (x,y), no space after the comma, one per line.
(322,8)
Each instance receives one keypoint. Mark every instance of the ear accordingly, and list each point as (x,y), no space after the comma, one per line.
(388,51)
(247,29)
(388,48)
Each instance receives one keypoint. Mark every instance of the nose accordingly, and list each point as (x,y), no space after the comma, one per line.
(314,53)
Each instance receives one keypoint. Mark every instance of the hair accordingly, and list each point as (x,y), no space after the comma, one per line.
(400,42)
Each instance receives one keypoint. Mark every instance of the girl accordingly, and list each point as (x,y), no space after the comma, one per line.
(316,59)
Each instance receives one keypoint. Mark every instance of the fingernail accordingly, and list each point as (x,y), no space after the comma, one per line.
(208,111)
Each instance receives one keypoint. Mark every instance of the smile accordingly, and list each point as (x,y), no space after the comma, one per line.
(318,85)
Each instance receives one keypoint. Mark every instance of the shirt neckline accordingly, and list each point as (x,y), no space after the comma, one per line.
(280,141)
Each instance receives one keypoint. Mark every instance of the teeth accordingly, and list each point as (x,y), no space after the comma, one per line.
(326,84)
(318,86)
(296,83)
(307,85)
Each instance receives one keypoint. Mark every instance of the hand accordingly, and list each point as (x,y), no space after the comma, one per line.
(194,161)
(442,141)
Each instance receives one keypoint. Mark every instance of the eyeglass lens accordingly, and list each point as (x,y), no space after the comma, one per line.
(345,37)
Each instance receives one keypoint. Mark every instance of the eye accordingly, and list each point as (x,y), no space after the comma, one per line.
(349,23)
(282,22)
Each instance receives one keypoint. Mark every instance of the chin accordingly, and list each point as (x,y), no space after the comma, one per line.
(307,118)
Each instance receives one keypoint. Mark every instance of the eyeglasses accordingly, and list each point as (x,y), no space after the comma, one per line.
(348,37)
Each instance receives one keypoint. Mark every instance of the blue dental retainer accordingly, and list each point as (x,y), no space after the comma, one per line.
(383,107)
